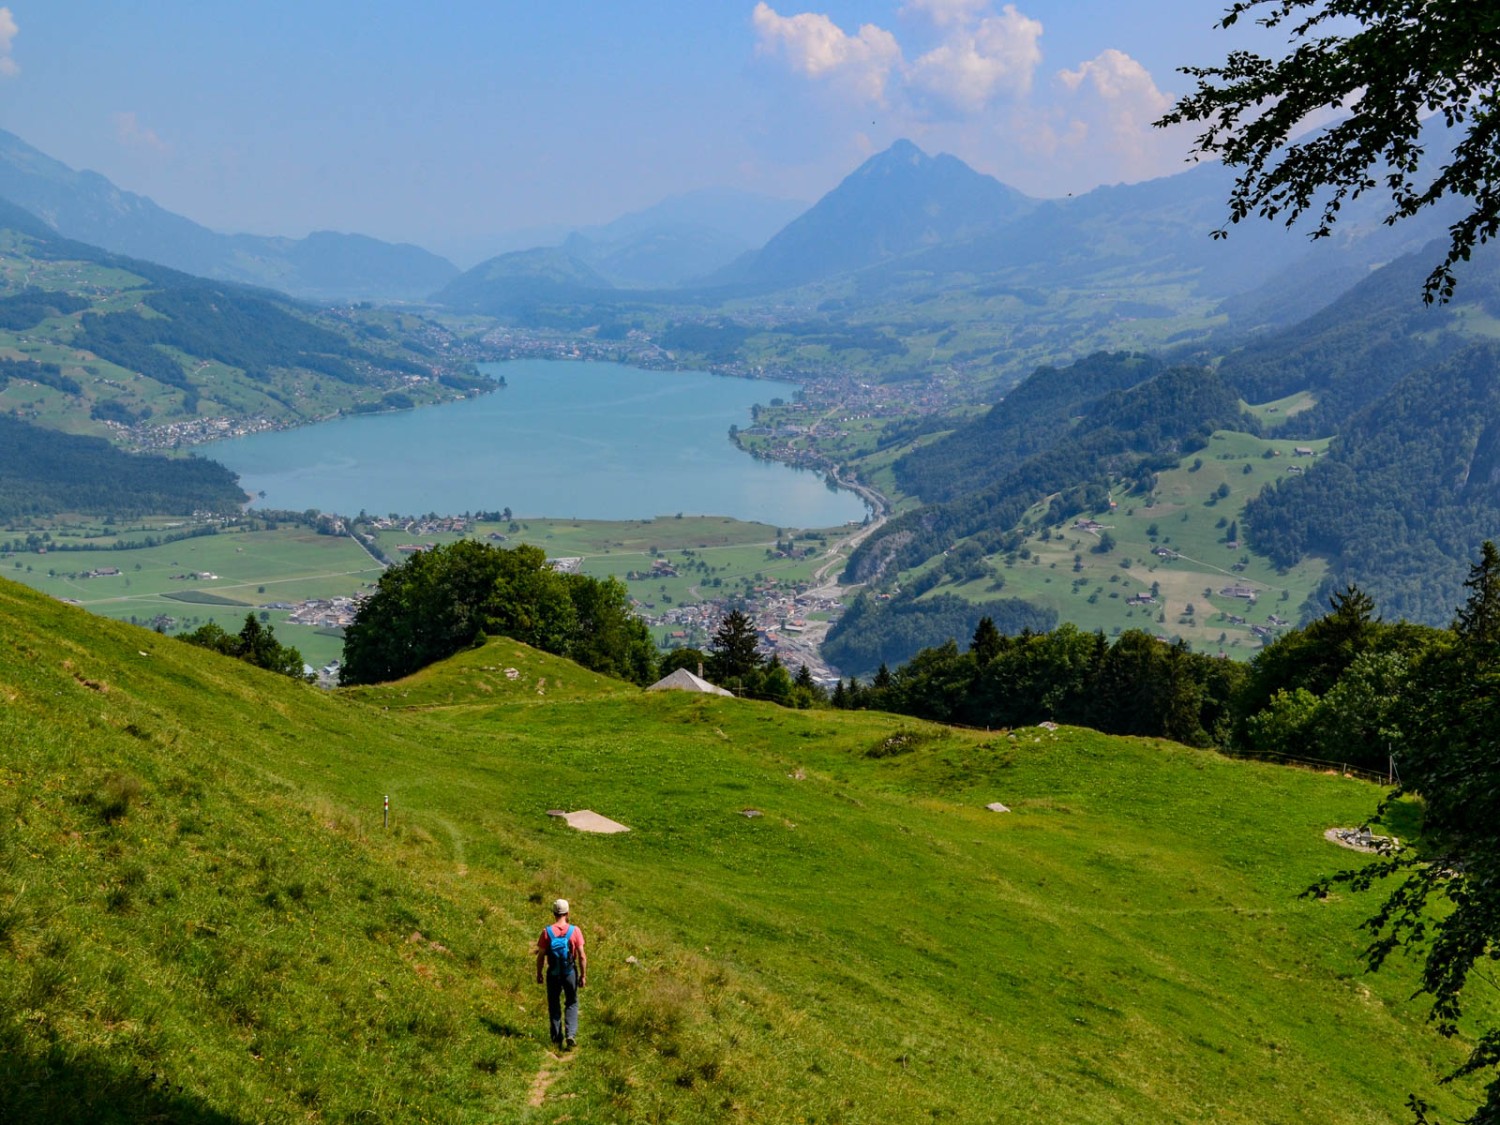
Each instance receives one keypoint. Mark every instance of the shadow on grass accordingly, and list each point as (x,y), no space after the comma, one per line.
(63,1087)
(1403,819)
(501,1028)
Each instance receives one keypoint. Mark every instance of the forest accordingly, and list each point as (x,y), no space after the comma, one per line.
(1403,493)
(873,632)
(43,472)
(234,328)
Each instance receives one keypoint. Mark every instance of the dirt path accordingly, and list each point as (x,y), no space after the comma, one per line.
(551,1069)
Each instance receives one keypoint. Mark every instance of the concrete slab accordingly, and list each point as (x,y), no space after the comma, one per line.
(587,820)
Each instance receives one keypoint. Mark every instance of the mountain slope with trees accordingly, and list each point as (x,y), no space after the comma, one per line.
(1123,433)
(123,346)
(1404,495)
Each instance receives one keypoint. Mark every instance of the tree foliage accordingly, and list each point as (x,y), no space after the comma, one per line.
(254,643)
(43,472)
(445,599)
(1445,906)
(734,652)
(1138,685)
(1385,65)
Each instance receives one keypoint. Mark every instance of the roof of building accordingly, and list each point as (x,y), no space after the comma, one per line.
(683,680)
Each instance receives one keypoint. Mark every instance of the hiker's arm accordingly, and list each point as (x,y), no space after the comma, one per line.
(541,961)
(583,966)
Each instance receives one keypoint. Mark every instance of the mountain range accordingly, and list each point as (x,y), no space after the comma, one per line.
(918,265)
(323,266)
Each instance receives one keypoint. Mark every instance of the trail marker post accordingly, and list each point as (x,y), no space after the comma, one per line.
(385,820)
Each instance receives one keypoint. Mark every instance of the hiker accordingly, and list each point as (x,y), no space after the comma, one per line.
(560,950)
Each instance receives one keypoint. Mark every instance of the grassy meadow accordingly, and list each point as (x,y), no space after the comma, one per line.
(203,920)
(1188,516)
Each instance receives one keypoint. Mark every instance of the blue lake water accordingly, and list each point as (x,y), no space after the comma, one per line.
(573,440)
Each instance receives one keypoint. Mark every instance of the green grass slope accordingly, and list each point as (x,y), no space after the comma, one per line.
(202,919)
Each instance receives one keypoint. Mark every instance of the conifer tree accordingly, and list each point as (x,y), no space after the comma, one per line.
(987,641)
(734,652)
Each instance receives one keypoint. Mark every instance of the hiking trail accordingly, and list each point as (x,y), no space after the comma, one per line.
(552,1066)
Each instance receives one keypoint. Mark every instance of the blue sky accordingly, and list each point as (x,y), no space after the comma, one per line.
(437,123)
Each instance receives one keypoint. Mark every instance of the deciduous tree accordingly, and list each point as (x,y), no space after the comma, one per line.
(1445,907)
(1384,66)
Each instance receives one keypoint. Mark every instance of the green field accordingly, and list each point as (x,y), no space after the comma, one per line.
(1062,569)
(714,557)
(202,919)
(254,569)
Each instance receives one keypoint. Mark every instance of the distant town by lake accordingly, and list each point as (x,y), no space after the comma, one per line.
(569,439)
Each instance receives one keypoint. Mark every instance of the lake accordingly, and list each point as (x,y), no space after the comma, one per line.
(573,440)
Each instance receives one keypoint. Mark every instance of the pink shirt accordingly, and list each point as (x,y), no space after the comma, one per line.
(575,943)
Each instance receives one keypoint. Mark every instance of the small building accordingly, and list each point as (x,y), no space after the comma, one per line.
(683,680)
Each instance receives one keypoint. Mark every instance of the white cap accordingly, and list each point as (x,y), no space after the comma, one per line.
(560,907)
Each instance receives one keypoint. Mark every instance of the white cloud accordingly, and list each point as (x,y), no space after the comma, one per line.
(819,48)
(8,31)
(946,12)
(132,134)
(964,76)
(975,64)
(1113,102)
(980,55)
(1118,78)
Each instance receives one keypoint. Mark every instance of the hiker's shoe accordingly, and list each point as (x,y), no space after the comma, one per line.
(570,1043)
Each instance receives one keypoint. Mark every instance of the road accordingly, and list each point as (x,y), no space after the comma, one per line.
(805,647)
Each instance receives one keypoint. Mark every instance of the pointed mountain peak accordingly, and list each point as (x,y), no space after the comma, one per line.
(902,154)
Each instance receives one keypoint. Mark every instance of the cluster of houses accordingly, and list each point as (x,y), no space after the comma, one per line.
(326,613)
(420,525)
(781,616)
(190,431)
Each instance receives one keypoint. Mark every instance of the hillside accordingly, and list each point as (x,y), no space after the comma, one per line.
(203,919)
(518,283)
(98,343)
(1120,435)
(325,265)
(1398,506)
(1406,495)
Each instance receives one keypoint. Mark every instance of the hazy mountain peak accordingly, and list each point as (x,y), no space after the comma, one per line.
(896,202)
(902,152)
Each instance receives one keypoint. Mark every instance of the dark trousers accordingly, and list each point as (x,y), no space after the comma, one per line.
(560,987)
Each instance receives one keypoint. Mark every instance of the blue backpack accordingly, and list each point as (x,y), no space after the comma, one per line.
(560,952)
